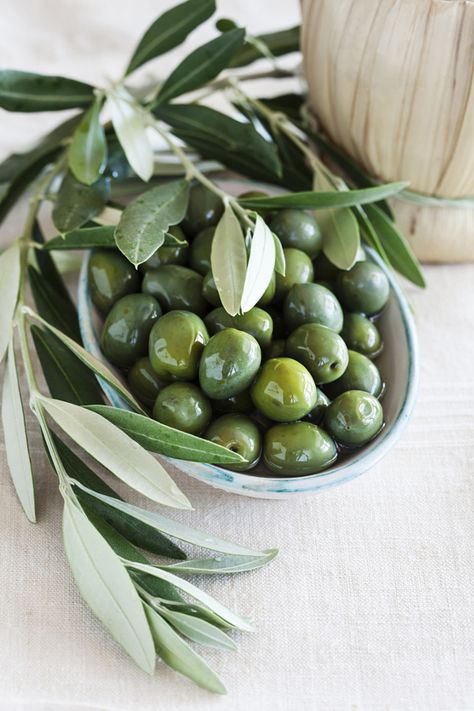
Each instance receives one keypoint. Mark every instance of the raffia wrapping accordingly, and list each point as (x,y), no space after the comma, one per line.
(392,82)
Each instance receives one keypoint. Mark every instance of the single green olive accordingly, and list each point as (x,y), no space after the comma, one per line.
(184,407)
(299,270)
(320,349)
(258,323)
(209,290)
(205,209)
(362,335)
(298,229)
(298,448)
(240,434)
(217,320)
(283,390)
(144,382)
(316,415)
(269,292)
(242,402)
(176,343)
(354,418)
(172,254)
(364,288)
(229,363)
(360,374)
(176,287)
(312,303)
(200,251)
(324,270)
(127,327)
(110,276)
(276,349)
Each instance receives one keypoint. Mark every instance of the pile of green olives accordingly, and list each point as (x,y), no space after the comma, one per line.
(291,385)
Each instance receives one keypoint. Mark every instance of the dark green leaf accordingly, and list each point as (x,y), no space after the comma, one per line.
(25,91)
(279,43)
(55,309)
(310,200)
(368,232)
(288,104)
(170,30)
(156,437)
(145,221)
(201,66)
(88,150)
(397,247)
(216,136)
(77,203)
(85,238)
(67,378)
(48,268)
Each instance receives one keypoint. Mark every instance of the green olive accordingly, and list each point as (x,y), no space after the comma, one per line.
(278,325)
(209,290)
(312,303)
(217,320)
(299,270)
(173,254)
(200,251)
(361,335)
(298,229)
(316,415)
(229,363)
(276,349)
(269,292)
(258,323)
(176,287)
(360,374)
(144,382)
(205,209)
(184,407)
(320,349)
(242,402)
(239,434)
(354,418)
(111,276)
(324,270)
(127,327)
(364,288)
(298,448)
(176,343)
(283,390)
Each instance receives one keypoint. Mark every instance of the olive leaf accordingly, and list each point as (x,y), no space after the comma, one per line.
(25,91)
(216,136)
(170,30)
(116,451)
(260,266)
(277,43)
(229,260)
(54,308)
(156,437)
(222,565)
(202,65)
(87,153)
(106,587)
(16,442)
(77,203)
(85,238)
(130,123)
(9,285)
(368,232)
(288,104)
(145,221)
(341,237)
(280,262)
(192,609)
(197,630)
(48,268)
(178,655)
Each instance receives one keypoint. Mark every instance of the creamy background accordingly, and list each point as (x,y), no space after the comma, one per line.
(369,606)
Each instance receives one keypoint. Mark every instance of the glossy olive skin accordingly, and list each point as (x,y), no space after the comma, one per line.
(176,287)
(269,292)
(175,345)
(239,434)
(354,418)
(276,349)
(312,303)
(144,382)
(318,412)
(204,210)
(283,390)
(320,349)
(111,276)
(242,402)
(229,363)
(361,335)
(360,374)
(209,290)
(218,319)
(364,288)
(298,229)
(174,254)
(324,270)
(200,251)
(258,323)
(298,448)
(299,270)
(127,327)
(184,407)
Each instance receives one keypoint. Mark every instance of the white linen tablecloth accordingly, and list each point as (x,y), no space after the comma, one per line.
(369,606)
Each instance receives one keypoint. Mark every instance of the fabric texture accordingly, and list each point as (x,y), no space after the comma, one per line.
(369,606)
